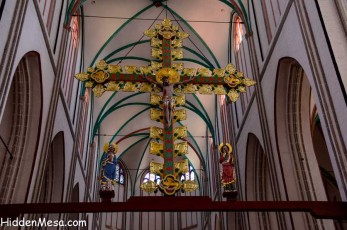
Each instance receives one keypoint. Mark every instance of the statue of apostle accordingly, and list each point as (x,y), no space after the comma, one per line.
(107,176)
(227,161)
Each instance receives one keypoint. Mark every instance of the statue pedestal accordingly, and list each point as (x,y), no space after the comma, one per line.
(106,195)
(231,195)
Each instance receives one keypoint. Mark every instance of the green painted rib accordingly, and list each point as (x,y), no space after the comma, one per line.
(199,55)
(208,122)
(127,122)
(194,171)
(206,114)
(117,31)
(196,34)
(246,16)
(196,61)
(137,171)
(114,109)
(125,47)
(242,9)
(135,143)
(196,145)
(68,11)
(99,120)
(102,110)
(195,110)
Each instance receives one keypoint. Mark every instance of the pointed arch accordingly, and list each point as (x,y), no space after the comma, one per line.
(20,129)
(258,183)
(294,103)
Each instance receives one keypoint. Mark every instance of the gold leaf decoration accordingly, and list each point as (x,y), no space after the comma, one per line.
(180,115)
(82,76)
(190,72)
(156,148)
(113,86)
(130,87)
(241,89)
(98,90)
(156,65)
(248,82)
(189,186)
(155,168)
(205,89)
(177,54)
(189,88)
(146,70)
(155,42)
(181,148)
(219,89)
(146,87)
(180,132)
(150,33)
(101,64)
(219,72)
(89,84)
(204,72)
(130,69)
(177,43)
(182,166)
(149,186)
(233,95)
(230,69)
(100,76)
(156,133)
(177,66)
(156,115)
(180,100)
(156,99)
(114,68)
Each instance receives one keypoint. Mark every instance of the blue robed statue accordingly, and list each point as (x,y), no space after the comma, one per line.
(108,164)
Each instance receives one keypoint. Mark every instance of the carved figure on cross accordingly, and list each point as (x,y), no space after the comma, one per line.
(168,95)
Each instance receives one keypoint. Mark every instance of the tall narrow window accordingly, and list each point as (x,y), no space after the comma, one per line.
(238,34)
(72,46)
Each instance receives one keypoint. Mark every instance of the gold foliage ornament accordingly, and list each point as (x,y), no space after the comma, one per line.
(98,90)
(233,95)
(156,115)
(189,186)
(156,148)
(156,168)
(181,167)
(156,99)
(180,100)
(149,186)
(180,132)
(181,148)
(180,115)
(156,133)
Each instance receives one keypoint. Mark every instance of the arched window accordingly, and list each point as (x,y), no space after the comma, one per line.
(238,32)
(119,174)
(188,175)
(152,177)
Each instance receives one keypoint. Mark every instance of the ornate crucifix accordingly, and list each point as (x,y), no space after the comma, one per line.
(174,82)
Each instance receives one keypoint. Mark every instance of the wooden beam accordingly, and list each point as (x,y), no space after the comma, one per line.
(318,209)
